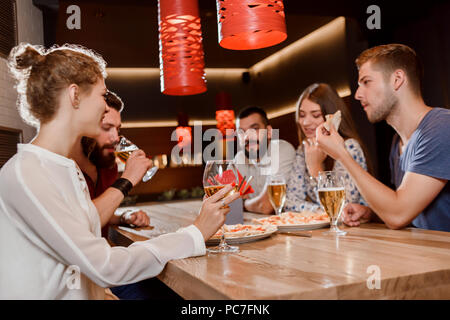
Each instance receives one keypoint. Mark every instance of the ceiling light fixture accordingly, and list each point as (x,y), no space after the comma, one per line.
(224,113)
(181,55)
(250,24)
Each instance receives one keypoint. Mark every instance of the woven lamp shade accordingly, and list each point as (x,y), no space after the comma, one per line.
(224,112)
(181,55)
(225,120)
(184,136)
(250,24)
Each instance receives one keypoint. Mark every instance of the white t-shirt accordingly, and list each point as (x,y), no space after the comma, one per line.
(278,160)
(50,230)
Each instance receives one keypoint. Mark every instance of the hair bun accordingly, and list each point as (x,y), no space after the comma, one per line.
(28,58)
(24,56)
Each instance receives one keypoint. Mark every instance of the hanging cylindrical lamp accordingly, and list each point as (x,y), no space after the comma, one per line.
(183,131)
(181,55)
(250,24)
(224,113)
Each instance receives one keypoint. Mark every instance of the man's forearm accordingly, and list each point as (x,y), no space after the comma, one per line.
(259,204)
(106,204)
(381,199)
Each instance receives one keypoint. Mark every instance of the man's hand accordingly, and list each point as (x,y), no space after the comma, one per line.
(330,142)
(138,218)
(136,167)
(314,157)
(354,214)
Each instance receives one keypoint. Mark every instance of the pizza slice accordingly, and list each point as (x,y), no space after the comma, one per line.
(333,119)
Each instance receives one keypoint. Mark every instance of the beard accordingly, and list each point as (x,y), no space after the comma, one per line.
(384,109)
(98,157)
(257,151)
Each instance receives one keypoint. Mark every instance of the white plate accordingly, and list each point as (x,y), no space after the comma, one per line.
(245,239)
(300,227)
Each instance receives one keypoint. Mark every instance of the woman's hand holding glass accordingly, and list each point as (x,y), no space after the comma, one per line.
(213,212)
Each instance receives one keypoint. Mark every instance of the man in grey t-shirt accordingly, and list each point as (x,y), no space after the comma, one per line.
(262,154)
(390,89)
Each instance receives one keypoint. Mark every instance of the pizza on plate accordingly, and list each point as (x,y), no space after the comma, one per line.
(294,218)
(242,230)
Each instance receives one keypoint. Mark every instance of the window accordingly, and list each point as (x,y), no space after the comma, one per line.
(8,26)
(9,138)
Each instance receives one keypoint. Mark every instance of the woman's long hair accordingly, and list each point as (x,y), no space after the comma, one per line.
(330,102)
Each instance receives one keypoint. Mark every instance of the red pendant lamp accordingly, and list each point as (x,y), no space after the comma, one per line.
(181,55)
(183,131)
(250,24)
(224,113)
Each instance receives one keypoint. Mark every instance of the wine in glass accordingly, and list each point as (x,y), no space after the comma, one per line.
(217,174)
(276,189)
(123,150)
(331,191)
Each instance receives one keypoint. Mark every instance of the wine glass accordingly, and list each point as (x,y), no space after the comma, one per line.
(217,174)
(123,150)
(331,191)
(276,189)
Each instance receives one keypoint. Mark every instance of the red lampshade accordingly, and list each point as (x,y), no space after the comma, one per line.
(224,112)
(225,120)
(184,136)
(181,50)
(250,24)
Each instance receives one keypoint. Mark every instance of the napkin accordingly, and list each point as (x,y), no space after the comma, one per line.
(228,177)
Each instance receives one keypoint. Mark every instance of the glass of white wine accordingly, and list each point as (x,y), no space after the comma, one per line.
(331,189)
(276,189)
(123,150)
(217,174)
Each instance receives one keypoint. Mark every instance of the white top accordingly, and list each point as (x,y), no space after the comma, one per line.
(49,229)
(278,160)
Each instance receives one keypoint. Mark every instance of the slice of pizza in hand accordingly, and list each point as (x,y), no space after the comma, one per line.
(333,119)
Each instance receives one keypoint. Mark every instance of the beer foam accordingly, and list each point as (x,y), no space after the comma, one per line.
(332,189)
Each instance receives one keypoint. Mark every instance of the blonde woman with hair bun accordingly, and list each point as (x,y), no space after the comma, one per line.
(49,225)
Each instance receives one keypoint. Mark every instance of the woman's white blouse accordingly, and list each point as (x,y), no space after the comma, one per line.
(301,193)
(50,233)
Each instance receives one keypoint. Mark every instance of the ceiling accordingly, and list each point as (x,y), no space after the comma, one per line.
(125,33)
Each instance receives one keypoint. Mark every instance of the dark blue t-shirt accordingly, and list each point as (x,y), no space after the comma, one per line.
(427,153)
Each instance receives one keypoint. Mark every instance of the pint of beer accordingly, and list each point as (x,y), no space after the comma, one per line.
(123,155)
(276,190)
(277,195)
(332,200)
(331,189)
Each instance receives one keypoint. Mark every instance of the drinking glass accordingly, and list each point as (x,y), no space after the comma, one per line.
(331,191)
(217,174)
(123,150)
(276,189)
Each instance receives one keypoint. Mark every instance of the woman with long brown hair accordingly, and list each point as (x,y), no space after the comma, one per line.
(54,249)
(316,101)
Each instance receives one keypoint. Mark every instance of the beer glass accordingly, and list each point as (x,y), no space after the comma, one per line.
(217,174)
(331,191)
(276,189)
(123,150)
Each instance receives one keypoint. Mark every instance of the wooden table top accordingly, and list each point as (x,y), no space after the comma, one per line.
(412,263)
